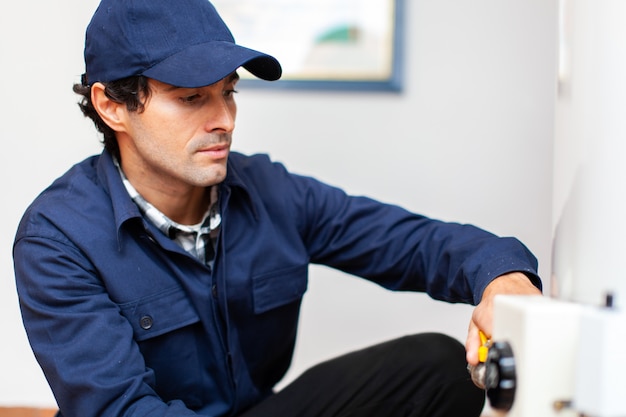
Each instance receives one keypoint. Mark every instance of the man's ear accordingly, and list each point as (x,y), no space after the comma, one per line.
(112,113)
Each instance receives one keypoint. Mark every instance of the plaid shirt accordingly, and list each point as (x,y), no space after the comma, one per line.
(198,239)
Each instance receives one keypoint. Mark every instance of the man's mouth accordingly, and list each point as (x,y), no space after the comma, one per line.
(217,151)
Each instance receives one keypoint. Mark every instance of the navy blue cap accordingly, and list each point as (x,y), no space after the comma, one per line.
(179,42)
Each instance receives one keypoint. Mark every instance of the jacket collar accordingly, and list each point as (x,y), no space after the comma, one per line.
(234,182)
(124,209)
(123,206)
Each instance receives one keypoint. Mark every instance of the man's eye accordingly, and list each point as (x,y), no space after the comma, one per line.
(190,99)
(229,93)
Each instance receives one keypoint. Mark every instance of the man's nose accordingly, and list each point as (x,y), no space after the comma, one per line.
(221,117)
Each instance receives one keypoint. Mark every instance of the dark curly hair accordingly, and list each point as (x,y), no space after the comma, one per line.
(132,91)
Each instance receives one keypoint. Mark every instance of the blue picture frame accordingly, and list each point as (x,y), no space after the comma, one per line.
(390,81)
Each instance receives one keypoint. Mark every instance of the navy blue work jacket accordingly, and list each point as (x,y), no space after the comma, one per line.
(124,322)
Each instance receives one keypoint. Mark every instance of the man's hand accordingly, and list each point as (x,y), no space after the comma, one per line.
(482,317)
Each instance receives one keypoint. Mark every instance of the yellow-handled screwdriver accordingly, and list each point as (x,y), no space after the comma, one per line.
(478,372)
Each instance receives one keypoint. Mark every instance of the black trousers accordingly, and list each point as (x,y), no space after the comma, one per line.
(423,375)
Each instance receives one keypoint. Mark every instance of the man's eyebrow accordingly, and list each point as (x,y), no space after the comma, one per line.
(172,88)
(232,77)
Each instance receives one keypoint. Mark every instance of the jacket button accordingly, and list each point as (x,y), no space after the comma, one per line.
(145,322)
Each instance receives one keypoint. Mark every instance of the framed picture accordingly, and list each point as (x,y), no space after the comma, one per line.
(322,44)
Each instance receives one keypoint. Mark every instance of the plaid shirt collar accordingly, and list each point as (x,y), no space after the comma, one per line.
(192,238)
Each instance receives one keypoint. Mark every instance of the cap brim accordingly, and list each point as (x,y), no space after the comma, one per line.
(207,63)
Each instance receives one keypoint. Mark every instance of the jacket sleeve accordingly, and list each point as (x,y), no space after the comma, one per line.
(398,249)
(79,336)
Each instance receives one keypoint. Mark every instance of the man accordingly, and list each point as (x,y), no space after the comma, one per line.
(164,277)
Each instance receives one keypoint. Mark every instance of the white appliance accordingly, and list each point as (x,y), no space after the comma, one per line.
(569,348)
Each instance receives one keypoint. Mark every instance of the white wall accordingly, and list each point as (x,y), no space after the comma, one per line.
(469,140)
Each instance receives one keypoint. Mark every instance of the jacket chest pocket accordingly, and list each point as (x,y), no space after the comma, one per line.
(159,313)
(169,335)
(278,288)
